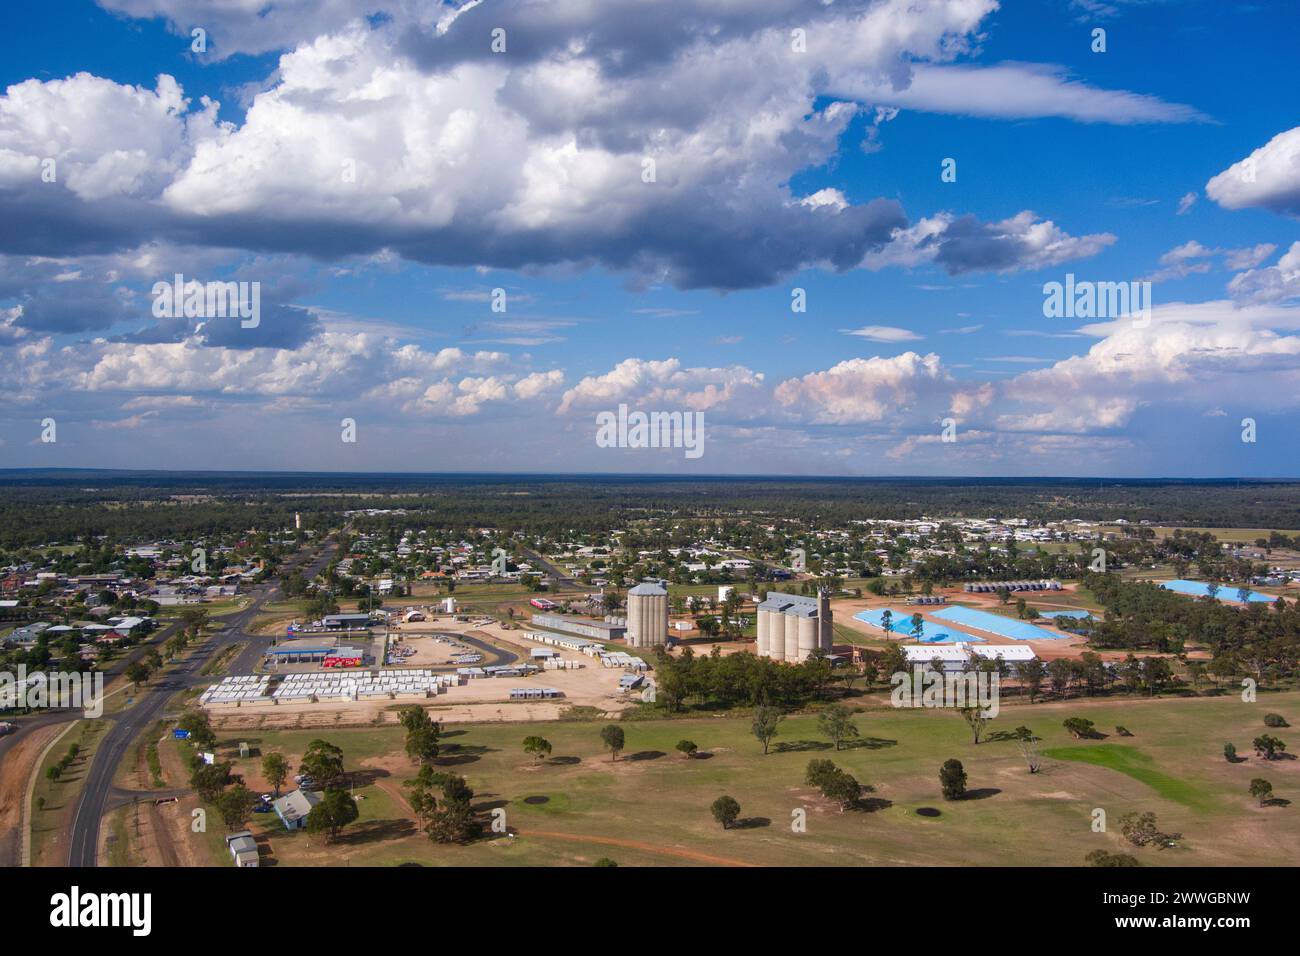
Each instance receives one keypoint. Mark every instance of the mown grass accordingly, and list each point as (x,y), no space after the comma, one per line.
(657,803)
(1139,766)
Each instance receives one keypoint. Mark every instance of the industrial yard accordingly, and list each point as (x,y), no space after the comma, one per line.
(433,677)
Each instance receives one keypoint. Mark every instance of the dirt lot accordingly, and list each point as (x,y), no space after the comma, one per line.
(429,650)
(15,770)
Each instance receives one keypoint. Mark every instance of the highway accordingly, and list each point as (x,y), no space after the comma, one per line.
(129,724)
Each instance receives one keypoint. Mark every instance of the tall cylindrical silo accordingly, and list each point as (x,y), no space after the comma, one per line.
(807,637)
(762,631)
(776,635)
(791,637)
(656,631)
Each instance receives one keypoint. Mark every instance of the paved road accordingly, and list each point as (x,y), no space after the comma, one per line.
(561,577)
(10,843)
(132,722)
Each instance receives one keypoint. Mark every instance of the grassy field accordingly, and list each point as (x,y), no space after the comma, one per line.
(652,806)
(1245,535)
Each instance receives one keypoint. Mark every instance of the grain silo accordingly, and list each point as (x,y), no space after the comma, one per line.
(792,627)
(791,623)
(647,614)
(808,632)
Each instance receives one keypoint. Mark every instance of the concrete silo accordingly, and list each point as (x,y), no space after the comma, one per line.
(793,627)
(808,632)
(647,614)
(791,623)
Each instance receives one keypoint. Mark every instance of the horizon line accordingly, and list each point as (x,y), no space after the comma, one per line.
(1167,479)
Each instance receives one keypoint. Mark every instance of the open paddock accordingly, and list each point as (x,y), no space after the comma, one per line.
(652,805)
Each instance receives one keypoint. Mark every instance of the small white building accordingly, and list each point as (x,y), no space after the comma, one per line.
(243,848)
(293,808)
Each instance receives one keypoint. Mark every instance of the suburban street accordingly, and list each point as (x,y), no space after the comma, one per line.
(132,722)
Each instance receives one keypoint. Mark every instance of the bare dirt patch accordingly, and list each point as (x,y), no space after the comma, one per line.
(15,770)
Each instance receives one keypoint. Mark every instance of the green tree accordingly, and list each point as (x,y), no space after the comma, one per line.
(952,779)
(1031,675)
(209,779)
(1141,829)
(422,744)
(422,734)
(1104,858)
(725,810)
(819,770)
(236,806)
(323,762)
(976,718)
(836,722)
(687,748)
(1261,790)
(453,821)
(276,770)
(539,747)
(764,726)
(199,727)
(1079,727)
(1268,746)
(335,810)
(612,736)
(1230,753)
(841,787)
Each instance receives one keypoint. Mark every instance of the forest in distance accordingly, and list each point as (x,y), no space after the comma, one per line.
(43,506)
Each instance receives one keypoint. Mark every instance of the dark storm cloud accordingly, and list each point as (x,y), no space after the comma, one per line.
(968,245)
(74,307)
(281,327)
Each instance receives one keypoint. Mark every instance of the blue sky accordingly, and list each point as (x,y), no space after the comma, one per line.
(1172,157)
